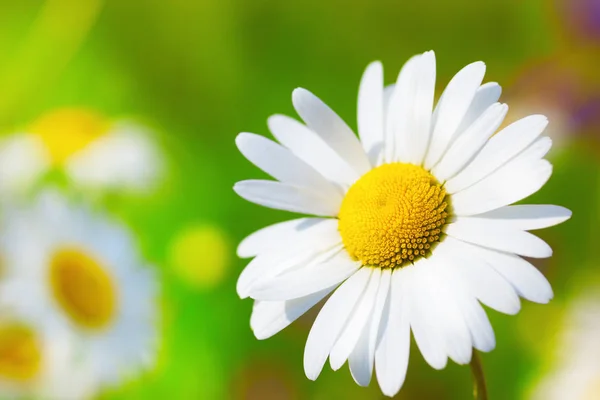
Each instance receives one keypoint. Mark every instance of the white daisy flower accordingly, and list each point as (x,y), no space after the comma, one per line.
(576,372)
(80,273)
(94,152)
(413,226)
(22,161)
(37,361)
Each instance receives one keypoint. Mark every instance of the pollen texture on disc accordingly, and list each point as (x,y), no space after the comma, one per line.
(393,215)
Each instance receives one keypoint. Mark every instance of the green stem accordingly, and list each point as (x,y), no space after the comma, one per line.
(479,386)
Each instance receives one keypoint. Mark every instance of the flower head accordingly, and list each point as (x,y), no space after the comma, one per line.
(413,225)
(93,152)
(79,273)
(37,361)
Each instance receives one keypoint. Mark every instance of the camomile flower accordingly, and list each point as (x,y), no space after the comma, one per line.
(37,361)
(411,225)
(94,152)
(576,371)
(79,273)
(22,161)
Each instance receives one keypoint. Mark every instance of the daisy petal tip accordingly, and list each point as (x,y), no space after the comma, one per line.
(311,374)
(241,291)
(274,120)
(439,365)
(546,297)
(390,389)
(241,251)
(375,65)
(387,392)
(514,310)
(241,138)
(336,362)
(429,54)
(567,214)
(299,94)
(488,346)
(260,335)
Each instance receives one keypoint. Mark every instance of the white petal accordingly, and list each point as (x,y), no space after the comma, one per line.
(475,317)
(270,317)
(362,357)
(502,147)
(483,281)
(331,320)
(396,146)
(391,357)
(281,163)
(498,236)
(268,265)
(360,363)
(388,92)
(468,144)
(415,90)
(305,232)
(528,216)
(309,279)
(126,157)
(486,95)
(370,111)
(23,160)
(513,182)
(331,128)
(450,321)
(423,107)
(424,318)
(356,323)
(451,109)
(311,149)
(459,345)
(283,196)
(527,280)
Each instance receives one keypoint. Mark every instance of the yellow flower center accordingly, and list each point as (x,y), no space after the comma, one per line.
(83,288)
(392,215)
(20,352)
(66,131)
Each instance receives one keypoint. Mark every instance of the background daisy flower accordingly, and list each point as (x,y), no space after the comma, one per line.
(94,152)
(574,371)
(79,273)
(420,229)
(36,361)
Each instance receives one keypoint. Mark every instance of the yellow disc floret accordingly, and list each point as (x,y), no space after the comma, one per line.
(20,352)
(69,130)
(83,288)
(393,215)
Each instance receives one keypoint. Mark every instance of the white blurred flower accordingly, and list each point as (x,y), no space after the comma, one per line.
(37,361)
(123,158)
(78,272)
(576,375)
(23,158)
(94,153)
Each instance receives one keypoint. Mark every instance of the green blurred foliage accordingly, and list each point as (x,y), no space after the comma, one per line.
(201,71)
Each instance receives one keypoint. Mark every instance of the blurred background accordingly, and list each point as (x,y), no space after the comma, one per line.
(188,76)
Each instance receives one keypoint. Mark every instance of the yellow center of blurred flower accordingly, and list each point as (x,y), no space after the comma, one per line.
(20,353)
(66,131)
(392,215)
(83,288)
(200,256)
